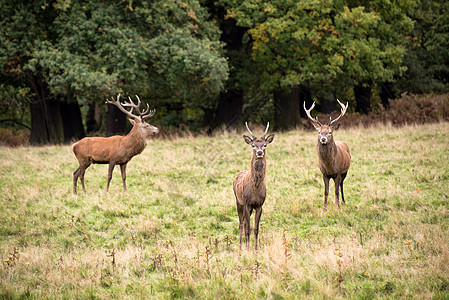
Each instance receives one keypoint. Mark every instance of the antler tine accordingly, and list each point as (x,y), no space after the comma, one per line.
(138,105)
(147,113)
(308,114)
(343,111)
(150,114)
(246,124)
(146,110)
(133,105)
(121,107)
(266,130)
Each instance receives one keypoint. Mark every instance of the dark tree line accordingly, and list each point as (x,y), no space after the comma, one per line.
(206,64)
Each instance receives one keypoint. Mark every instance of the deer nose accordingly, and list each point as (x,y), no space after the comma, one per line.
(259,153)
(323,140)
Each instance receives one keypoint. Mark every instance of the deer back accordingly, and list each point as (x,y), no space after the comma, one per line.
(119,149)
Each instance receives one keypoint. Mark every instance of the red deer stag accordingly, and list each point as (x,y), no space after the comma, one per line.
(249,186)
(115,150)
(334,157)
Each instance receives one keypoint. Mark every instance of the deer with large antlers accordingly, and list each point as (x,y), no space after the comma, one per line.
(334,156)
(249,186)
(115,150)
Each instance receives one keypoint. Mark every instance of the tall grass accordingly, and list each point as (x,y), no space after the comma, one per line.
(174,234)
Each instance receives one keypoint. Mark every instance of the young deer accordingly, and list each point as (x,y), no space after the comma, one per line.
(249,186)
(334,157)
(115,150)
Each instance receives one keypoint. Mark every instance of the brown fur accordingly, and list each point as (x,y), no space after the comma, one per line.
(334,162)
(114,150)
(250,189)
(334,157)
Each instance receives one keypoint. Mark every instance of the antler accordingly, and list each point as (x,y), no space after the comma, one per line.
(246,124)
(254,137)
(343,111)
(308,114)
(266,130)
(142,115)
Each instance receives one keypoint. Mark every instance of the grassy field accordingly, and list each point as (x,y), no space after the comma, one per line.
(175,232)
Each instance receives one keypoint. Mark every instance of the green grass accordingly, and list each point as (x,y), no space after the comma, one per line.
(174,234)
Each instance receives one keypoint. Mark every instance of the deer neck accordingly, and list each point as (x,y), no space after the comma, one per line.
(258,170)
(327,152)
(135,141)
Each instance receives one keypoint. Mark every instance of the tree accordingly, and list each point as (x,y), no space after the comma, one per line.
(21,28)
(427,58)
(229,110)
(67,51)
(321,44)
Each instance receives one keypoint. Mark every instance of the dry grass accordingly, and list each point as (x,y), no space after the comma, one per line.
(174,234)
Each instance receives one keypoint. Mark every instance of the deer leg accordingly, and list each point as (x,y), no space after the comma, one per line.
(337,181)
(343,176)
(241,222)
(123,170)
(326,192)
(76,174)
(82,171)
(111,168)
(248,226)
(256,224)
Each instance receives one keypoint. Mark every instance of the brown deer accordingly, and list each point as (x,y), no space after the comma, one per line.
(334,157)
(115,150)
(249,186)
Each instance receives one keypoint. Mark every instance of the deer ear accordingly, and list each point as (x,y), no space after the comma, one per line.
(132,122)
(269,138)
(336,126)
(247,139)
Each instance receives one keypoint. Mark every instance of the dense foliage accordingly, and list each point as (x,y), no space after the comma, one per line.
(318,42)
(198,60)
(166,51)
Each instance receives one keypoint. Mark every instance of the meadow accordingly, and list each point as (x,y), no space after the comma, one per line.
(174,234)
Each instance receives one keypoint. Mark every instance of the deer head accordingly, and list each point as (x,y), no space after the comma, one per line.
(144,128)
(325,131)
(260,144)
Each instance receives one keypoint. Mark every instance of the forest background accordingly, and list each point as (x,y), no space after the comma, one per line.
(207,64)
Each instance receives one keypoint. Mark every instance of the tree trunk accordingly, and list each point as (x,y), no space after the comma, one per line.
(287,104)
(72,121)
(115,120)
(46,121)
(327,106)
(363,95)
(386,93)
(39,134)
(306,96)
(229,109)
(230,104)
(93,118)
